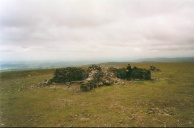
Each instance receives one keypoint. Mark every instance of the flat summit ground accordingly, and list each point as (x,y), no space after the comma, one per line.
(166,100)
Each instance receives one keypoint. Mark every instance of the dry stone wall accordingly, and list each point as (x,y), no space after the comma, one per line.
(139,73)
(136,73)
(69,74)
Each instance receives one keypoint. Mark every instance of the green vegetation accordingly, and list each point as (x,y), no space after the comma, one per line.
(166,100)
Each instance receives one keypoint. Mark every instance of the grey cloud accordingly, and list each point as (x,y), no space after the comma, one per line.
(171,48)
(96,28)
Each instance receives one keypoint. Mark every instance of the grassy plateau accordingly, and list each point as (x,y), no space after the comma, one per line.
(165,101)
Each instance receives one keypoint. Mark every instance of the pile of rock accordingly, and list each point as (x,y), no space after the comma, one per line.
(140,73)
(119,72)
(68,74)
(95,76)
(152,68)
(136,73)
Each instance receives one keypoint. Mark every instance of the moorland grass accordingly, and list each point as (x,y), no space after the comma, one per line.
(23,102)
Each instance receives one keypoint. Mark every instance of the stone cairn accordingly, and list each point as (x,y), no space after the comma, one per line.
(95,76)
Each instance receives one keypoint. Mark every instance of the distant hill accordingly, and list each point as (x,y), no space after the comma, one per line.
(113,63)
(31,65)
(182,59)
(151,60)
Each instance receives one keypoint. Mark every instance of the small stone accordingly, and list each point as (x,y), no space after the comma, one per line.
(120,121)
(100,84)
(83,119)
(107,82)
(68,83)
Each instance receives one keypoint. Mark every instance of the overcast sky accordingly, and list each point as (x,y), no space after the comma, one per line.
(117,30)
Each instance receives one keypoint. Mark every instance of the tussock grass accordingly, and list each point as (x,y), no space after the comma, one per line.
(166,100)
